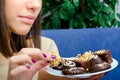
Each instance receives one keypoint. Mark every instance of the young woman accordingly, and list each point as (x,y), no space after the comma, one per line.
(23,53)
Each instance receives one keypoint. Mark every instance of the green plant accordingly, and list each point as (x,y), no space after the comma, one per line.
(59,14)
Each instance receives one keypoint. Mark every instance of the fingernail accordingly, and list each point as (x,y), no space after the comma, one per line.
(44,55)
(28,67)
(33,60)
(53,56)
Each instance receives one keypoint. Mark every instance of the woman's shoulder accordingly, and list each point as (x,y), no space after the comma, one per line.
(46,39)
(48,45)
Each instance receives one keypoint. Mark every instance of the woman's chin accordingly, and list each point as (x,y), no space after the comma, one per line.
(21,32)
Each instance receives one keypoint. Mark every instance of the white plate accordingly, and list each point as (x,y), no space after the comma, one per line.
(85,75)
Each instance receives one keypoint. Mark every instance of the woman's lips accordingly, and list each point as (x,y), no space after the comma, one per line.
(27,19)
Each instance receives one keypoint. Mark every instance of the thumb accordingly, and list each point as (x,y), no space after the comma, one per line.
(38,65)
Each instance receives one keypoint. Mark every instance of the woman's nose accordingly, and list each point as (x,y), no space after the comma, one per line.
(34,4)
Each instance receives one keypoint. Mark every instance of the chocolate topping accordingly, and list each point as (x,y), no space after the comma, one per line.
(100,67)
(75,70)
(83,63)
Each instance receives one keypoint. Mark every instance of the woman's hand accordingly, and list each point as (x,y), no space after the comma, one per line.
(28,61)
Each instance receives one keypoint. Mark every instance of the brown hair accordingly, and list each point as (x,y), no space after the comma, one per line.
(16,41)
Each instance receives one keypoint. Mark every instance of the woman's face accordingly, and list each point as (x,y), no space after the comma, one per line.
(21,14)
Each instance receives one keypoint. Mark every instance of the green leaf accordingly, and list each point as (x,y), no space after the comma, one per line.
(63,15)
(94,12)
(101,20)
(69,8)
(106,9)
(111,17)
(55,20)
(76,3)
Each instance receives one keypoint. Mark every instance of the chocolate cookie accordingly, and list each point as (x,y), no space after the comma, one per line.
(100,67)
(74,70)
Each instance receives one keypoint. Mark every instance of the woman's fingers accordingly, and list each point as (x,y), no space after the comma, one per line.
(21,73)
(37,66)
(18,70)
(29,69)
(27,62)
(19,59)
(29,56)
(36,54)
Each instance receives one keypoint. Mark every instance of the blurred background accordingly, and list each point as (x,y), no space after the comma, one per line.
(73,14)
